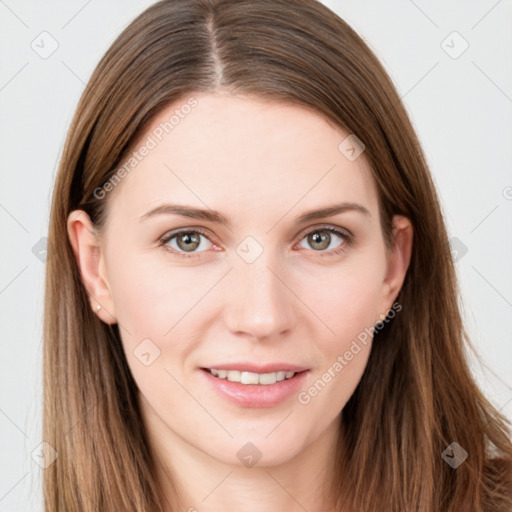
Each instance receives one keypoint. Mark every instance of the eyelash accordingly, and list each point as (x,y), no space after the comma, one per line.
(346,236)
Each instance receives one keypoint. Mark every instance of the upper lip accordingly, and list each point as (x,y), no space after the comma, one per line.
(257,368)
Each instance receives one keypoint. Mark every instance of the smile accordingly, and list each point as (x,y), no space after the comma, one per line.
(251,377)
(268,386)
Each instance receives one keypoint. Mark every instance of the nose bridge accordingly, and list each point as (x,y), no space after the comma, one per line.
(260,303)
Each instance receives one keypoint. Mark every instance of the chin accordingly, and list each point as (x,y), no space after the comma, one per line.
(257,450)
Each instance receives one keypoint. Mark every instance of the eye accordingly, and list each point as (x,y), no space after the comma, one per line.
(185,243)
(324,238)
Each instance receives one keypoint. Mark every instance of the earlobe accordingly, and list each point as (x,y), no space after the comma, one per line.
(90,260)
(399,259)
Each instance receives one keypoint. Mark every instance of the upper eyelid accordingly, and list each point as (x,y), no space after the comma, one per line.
(173,233)
(327,227)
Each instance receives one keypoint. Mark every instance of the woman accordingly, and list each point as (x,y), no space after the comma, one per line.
(251,303)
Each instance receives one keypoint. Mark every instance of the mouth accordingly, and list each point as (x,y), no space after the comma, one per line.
(245,377)
(248,385)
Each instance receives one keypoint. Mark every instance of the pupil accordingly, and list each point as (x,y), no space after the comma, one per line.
(321,238)
(190,241)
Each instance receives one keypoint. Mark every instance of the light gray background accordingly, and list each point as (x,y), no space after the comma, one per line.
(461,108)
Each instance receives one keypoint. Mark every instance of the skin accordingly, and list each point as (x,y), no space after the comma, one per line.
(261,164)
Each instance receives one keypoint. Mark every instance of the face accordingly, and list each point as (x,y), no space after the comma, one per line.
(208,261)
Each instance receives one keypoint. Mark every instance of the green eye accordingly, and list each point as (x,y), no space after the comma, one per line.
(321,239)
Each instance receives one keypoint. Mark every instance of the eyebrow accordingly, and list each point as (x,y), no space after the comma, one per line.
(328,211)
(217,218)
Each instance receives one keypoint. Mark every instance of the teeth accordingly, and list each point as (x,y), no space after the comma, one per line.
(268,378)
(250,377)
(233,376)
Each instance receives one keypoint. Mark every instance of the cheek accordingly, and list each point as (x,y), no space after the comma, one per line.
(350,314)
(161,303)
(345,298)
(151,303)
(151,296)
(136,296)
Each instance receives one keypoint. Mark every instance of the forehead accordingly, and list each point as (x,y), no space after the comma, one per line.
(240,154)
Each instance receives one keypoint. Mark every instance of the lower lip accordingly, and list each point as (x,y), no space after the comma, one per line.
(256,395)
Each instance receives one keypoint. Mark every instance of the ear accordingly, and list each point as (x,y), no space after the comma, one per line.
(91,263)
(399,257)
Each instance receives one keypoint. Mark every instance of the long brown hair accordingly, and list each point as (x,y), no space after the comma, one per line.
(417,394)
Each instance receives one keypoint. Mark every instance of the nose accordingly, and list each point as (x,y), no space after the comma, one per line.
(260,304)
